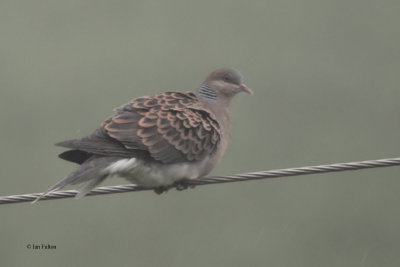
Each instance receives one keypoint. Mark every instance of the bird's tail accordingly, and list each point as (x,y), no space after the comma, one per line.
(89,175)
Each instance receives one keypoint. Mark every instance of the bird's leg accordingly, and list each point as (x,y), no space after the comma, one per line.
(179,185)
(162,189)
(182,185)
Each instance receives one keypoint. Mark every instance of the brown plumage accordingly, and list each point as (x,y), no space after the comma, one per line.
(158,140)
(172,127)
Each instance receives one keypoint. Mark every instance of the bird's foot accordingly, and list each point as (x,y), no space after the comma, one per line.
(182,185)
(162,189)
(179,185)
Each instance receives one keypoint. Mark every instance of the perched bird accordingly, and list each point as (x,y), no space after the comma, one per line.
(156,141)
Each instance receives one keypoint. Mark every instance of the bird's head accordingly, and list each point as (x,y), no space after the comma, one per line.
(226,82)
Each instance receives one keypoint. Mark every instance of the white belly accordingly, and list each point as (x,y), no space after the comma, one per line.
(155,174)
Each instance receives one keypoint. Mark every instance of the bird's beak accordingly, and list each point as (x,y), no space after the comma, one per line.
(246,89)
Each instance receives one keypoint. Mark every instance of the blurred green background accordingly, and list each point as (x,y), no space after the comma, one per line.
(326,77)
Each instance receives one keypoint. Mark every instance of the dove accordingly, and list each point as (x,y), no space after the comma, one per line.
(157,141)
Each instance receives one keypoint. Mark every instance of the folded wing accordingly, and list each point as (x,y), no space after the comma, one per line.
(169,128)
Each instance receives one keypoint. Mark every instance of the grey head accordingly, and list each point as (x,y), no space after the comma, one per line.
(223,83)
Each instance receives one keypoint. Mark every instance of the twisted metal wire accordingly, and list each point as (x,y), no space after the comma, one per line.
(213,180)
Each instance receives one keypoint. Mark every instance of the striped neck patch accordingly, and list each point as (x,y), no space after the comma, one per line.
(207,92)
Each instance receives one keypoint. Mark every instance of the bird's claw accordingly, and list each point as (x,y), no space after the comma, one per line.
(161,189)
(183,185)
(180,186)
